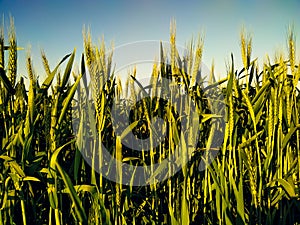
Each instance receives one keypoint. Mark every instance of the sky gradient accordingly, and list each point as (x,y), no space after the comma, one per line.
(56,26)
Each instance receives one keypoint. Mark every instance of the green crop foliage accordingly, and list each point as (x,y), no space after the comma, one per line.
(254,178)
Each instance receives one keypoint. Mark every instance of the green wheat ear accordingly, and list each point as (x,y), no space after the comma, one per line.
(45,63)
(12,60)
(246,48)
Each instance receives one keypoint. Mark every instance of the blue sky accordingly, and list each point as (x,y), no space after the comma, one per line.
(56,26)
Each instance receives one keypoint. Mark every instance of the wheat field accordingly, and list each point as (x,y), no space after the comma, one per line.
(248,122)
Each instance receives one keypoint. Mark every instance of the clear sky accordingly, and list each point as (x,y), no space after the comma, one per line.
(56,26)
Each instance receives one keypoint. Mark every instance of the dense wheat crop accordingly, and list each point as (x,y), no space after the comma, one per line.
(249,121)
